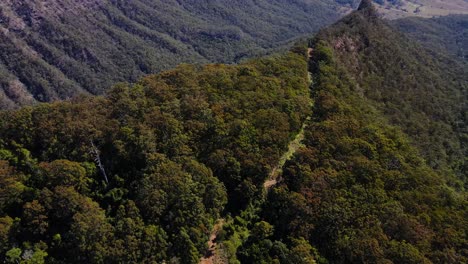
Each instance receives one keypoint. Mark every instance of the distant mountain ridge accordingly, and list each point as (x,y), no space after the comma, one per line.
(52,50)
(57,49)
(395,9)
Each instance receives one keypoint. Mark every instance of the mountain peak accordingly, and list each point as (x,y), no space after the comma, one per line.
(365,4)
(367,7)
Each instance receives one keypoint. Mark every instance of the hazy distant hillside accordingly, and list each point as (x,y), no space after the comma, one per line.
(393,9)
(449,33)
(56,49)
(424,8)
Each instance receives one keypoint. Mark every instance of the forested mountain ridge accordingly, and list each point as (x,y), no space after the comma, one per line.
(422,91)
(57,49)
(141,174)
(367,187)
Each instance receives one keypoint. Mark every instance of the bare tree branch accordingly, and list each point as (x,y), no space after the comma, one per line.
(97,159)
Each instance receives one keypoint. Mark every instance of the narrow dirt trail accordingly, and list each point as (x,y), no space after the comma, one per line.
(210,256)
(273,179)
(294,145)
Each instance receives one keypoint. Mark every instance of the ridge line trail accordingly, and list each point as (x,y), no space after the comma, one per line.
(272,180)
(294,145)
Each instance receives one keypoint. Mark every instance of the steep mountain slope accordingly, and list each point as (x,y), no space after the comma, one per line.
(422,91)
(374,182)
(56,49)
(448,33)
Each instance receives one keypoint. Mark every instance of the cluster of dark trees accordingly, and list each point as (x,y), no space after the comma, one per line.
(141,174)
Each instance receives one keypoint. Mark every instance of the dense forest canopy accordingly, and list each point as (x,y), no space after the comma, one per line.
(142,173)
(425,92)
(381,177)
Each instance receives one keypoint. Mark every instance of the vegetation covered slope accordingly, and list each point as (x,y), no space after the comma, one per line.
(449,33)
(141,175)
(422,91)
(364,188)
(56,49)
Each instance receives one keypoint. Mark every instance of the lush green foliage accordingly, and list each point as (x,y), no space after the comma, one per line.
(173,148)
(424,92)
(141,175)
(62,48)
(360,190)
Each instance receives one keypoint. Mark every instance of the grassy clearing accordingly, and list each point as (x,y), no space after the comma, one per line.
(424,8)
